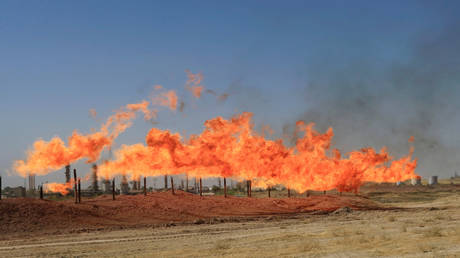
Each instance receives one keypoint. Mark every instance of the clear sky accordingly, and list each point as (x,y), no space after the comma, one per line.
(376,71)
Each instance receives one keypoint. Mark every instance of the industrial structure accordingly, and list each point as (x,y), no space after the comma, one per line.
(67,173)
(31,183)
(94,185)
(416,181)
(433,180)
(124,186)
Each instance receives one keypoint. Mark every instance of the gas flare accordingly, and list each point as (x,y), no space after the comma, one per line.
(166,98)
(47,156)
(63,189)
(193,83)
(225,148)
(231,148)
(144,107)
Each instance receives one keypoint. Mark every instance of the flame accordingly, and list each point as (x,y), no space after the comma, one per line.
(167,98)
(47,156)
(225,148)
(411,139)
(231,148)
(63,189)
(193,83)
(142,106)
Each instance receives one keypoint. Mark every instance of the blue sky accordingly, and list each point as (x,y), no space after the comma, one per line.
(58,59)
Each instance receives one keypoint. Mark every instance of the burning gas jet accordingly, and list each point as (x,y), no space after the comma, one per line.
(231,148)
(226,148)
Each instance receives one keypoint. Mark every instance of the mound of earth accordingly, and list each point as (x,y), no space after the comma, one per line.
(26,215)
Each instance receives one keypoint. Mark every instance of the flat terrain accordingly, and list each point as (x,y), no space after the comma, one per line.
(410,222)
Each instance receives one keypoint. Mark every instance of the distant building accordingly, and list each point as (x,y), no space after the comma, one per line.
(31,182)
(433,180)
(107,186)
(12,192)
(94,184)
(124,186)
(67,173)
(416,181)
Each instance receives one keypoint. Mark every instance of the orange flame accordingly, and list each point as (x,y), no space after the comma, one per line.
(230,148)
(167,98)
(63,189)
(142,106)
(47,156)
(411,139)
(193,83)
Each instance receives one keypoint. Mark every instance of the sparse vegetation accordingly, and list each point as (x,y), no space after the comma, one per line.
(433,232)
(391,219)
(430,228)
(222,245)
(310,245)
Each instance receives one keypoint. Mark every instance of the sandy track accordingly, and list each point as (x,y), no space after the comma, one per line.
(419,232)
(23,216)
(428,228)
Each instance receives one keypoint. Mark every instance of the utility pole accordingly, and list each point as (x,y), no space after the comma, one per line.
(225,187)
(75,192)
(113,189)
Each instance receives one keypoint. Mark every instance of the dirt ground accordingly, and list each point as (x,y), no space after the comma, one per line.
(384,222)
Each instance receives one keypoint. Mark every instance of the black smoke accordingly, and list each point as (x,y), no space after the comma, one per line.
(383,103)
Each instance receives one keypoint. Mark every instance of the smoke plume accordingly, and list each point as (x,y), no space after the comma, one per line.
(383,104)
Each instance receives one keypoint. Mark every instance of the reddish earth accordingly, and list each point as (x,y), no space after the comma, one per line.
(27,215)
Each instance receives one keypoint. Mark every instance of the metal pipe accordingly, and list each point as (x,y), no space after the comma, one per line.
(67,173)
(225,187)
(186,182)
(201,188)
(79,191)
(113,189)
(249,187)
(41,192)
(75,191)
(145,186)
(172,185)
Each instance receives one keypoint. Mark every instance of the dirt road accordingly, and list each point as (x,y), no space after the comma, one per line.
(427,229)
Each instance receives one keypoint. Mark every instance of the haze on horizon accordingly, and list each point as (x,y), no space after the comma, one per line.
(377,72)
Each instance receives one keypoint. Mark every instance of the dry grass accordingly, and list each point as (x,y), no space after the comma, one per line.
(433,232)
(310,245)
(391,219)
(418,231)
(222,245)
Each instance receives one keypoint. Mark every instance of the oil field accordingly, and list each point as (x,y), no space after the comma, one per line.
(229,128)
(388,220)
